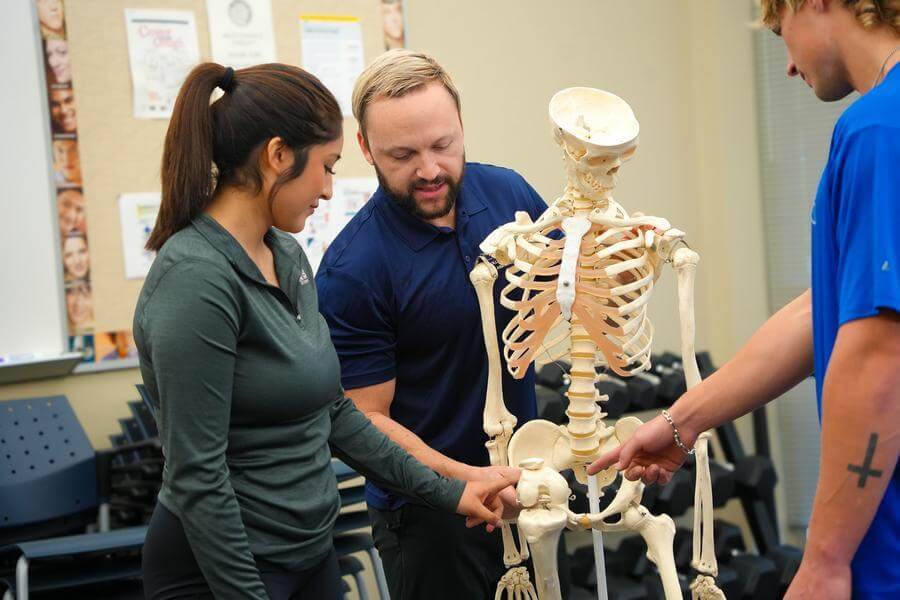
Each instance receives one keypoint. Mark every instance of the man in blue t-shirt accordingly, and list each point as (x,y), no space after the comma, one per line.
(845,329)
(394,288)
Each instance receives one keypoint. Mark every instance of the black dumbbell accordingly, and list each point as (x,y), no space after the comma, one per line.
(642,391)
(584,575)
(675,497)
(754,477)
(722,480)
(630,558)
(727,581)
(704,361)
(671,378)
(554,375)
(728,539)
(618,396)
(683,548)
(654,588)
(757,577)
(551,404)
(787,561)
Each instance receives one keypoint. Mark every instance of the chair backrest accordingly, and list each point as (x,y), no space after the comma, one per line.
(47,464)
(145,397)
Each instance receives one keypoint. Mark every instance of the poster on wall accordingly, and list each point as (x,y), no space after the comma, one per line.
(137,215)
(332,50)
(348,197)
(393,24)
(240,32)
(162,49)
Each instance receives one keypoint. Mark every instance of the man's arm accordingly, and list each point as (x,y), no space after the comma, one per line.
(775,359)
(375,402)
(860,445)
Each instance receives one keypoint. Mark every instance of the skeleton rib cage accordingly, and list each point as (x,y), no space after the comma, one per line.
(614,280)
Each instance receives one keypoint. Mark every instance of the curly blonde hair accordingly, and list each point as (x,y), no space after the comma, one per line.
(871,13)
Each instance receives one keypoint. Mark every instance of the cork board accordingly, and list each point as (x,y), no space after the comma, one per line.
(121,154)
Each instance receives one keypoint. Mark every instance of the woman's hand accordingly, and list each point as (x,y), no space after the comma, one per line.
(481,501)
(650,454)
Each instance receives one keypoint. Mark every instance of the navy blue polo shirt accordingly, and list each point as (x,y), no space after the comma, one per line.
(396,294)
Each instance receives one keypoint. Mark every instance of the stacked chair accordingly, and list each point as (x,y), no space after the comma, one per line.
(54,503)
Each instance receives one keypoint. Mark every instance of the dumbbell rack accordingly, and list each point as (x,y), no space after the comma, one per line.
(750,478)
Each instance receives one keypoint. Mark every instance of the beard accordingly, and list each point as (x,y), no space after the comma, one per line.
(406,199)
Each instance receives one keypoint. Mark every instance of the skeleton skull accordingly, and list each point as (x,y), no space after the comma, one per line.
(595,141)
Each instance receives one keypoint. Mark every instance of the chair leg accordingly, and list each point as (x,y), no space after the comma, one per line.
(361,586)
(103,517)
(380,578)
(22,579)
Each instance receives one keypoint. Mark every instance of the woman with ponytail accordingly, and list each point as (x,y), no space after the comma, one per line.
(237,360)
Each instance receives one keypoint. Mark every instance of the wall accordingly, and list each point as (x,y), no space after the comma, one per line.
(687,70)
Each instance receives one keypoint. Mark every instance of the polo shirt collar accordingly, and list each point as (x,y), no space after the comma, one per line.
(224,242)
(415,232)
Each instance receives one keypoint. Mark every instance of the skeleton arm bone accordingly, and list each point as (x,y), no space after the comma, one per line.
(498,421)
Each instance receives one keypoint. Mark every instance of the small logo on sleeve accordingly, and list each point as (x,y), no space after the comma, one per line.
(304,278)
(885,266)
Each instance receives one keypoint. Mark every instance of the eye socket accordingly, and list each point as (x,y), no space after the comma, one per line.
(330,170)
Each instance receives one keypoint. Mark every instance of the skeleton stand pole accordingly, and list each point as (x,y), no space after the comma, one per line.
(599,562)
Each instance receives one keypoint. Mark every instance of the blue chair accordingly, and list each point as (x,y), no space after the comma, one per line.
(48,488)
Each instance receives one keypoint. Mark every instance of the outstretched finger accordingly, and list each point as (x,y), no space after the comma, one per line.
(629,449)
(604,461)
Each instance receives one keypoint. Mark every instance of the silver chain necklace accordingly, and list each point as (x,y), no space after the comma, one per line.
(884,64)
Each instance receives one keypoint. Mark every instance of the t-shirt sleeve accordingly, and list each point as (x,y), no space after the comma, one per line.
(867,223)
(362,328)
(527,198)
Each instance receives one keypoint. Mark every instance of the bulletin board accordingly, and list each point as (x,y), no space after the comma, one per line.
(121,154)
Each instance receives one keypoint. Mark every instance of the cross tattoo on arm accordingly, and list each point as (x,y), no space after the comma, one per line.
(864,470)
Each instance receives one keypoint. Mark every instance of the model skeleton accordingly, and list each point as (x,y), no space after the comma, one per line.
(592,285)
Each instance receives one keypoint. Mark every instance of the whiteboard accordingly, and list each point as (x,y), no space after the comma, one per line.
(32,316)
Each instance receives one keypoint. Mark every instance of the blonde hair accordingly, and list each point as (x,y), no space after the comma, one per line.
(870,13)
(394,74)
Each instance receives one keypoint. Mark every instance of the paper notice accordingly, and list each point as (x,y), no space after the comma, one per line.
(162,49)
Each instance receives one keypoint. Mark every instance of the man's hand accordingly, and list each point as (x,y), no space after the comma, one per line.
(480,502)
(820,580)
(650,455)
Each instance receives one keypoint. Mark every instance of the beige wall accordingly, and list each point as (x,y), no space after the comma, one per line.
(686,68)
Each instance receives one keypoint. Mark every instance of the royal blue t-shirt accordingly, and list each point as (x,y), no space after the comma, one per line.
(856,274)
(396,294)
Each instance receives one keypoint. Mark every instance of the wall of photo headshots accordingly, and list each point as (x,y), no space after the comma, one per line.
(71,205)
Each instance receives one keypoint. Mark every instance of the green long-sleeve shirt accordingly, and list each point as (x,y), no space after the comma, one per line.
(247,388)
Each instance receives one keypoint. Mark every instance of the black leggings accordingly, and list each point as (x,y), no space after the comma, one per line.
(171,572)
